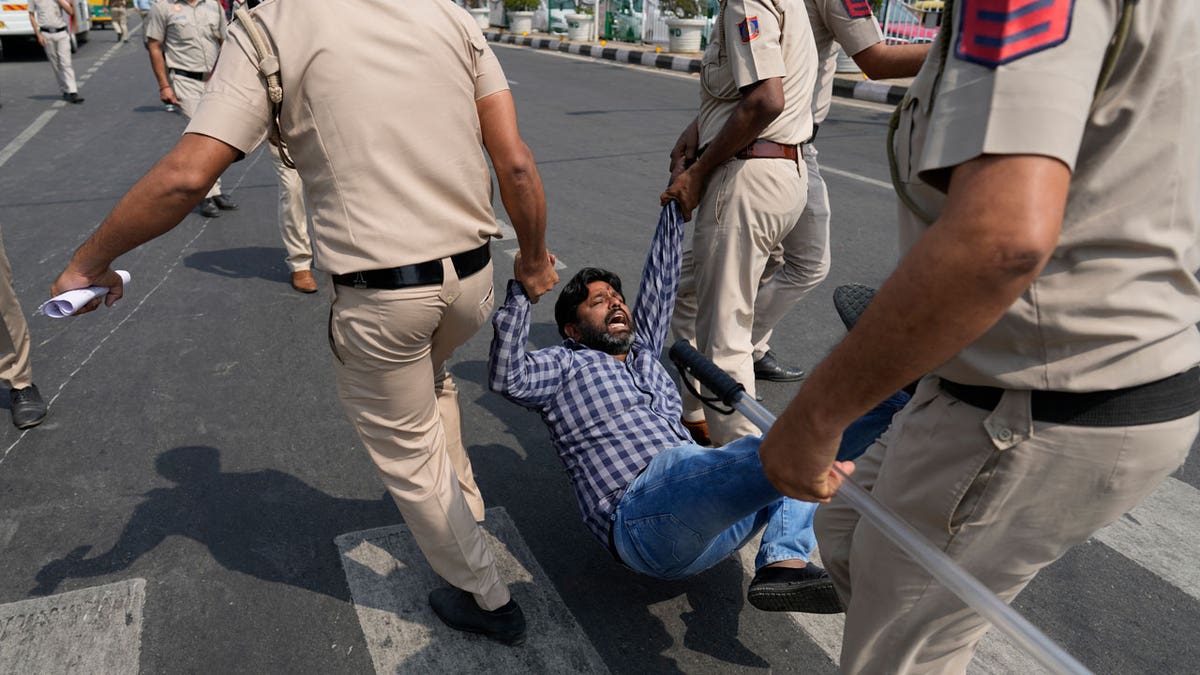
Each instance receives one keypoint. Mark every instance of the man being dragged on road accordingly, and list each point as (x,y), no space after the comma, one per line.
(663,506)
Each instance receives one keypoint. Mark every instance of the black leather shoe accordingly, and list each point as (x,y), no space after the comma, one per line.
(789,589)
(224,203)
(209,210)
(457,609)
(73,98)
(851,301)
(769,368)
(28,408)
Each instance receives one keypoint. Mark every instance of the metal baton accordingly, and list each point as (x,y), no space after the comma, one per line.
(936,562)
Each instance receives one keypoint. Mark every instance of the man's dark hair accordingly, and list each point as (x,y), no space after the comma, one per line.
(566,308)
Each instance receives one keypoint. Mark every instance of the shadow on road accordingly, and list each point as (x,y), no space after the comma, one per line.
(249,262)
(268,524)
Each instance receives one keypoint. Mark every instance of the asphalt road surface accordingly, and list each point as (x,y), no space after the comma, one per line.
(195,442)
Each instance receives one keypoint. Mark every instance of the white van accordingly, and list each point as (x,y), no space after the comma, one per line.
(16,31)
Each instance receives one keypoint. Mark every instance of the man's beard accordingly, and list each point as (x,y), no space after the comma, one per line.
(602,340)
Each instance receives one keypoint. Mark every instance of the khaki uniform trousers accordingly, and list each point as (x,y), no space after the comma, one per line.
(58,53)
(293,219)
(390,349)
(1001,494)
(15,368)
(800,264)
(119,24)
(748,209)
(189,92)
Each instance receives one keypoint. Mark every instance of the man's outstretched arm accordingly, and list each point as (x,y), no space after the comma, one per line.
(660,282)
(154,205)
(527,378)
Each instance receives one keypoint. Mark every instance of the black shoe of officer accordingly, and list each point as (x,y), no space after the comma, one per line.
(209,210)
(72,97)
(769,368)
(224,203)
(794,589)
(28,408)
(457,609)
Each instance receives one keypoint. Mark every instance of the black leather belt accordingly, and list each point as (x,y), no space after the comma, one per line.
(1170,398)
(419,274)
(816,127)
(190,74)
(53,30)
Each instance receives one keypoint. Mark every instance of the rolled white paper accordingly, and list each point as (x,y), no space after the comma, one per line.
(68,303)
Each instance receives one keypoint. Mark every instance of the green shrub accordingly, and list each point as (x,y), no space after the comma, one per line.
(522,5)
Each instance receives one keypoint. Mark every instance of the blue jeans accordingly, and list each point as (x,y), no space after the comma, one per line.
(862,433)
(693,506)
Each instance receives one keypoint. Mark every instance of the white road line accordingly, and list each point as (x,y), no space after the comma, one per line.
(22,138)
(389,581)
(1160,535)
(512,253)
(178,259)
(96,629)
(858,177)
(41,121)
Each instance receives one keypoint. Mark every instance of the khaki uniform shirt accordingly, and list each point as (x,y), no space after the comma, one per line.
(379,115)
(1117,305)
(760,43)
(849,23)
(49,13)
(191,34)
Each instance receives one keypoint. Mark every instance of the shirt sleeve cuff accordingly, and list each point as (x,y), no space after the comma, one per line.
(516,291)
(859,35)
(229,123)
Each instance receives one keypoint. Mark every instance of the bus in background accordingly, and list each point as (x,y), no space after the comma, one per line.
(16,32)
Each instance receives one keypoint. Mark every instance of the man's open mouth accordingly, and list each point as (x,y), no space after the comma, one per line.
(617,321)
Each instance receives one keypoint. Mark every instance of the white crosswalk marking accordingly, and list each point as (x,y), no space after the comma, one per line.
(509,236)
(390,581)
(96,630)
(1160,535)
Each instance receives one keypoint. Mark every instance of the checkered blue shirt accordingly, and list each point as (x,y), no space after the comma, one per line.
(607,419)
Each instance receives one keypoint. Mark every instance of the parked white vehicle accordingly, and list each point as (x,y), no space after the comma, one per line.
(16,31)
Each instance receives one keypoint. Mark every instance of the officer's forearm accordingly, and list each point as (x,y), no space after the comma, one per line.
(985,250)
(67,7)
(158,63)
(882,61)
(157,202)
(525,201)
(761,103)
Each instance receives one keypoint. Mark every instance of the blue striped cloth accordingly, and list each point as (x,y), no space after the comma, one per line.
(607,419)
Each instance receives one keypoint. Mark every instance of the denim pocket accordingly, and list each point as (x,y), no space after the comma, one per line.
(665,545)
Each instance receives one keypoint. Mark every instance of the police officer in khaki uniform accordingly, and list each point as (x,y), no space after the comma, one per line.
(757,78)
(293,225)
(53,32)
(1051,221)
(184,38)
(400,195)
(26,404)
(801,262)
(117,9)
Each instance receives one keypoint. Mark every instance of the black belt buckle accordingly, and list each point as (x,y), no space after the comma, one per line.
(359,280)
